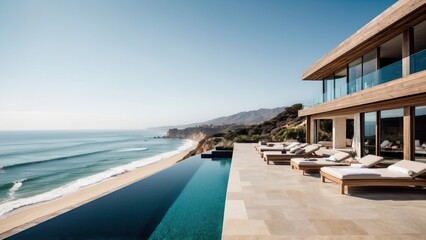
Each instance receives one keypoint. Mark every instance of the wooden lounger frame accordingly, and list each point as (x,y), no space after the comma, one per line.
(287,158)
(373,182)
(314,168)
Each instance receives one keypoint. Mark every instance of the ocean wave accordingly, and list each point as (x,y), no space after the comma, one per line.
(50,160)
(58,148)
(88,181)
(15,187)
(132,149)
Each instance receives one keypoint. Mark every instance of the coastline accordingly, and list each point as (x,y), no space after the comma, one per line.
(28,216)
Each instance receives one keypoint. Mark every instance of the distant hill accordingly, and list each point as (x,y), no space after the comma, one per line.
(244,118)
(284,126)
(199,131)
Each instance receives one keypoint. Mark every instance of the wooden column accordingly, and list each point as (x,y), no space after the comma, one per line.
(407,46)
(408,132)
(308,129)
(362,133)
(378,127)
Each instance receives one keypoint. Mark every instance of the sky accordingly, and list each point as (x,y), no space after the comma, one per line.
(101,64)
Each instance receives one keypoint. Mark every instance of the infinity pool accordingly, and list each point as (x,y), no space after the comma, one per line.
(185,201)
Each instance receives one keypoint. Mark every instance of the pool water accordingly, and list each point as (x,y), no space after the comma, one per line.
(185,201)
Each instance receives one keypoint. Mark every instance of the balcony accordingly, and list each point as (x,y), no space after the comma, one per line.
(386,74)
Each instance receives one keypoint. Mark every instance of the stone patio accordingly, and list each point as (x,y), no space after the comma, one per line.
(277,202)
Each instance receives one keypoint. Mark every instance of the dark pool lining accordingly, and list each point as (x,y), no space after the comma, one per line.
(123,213)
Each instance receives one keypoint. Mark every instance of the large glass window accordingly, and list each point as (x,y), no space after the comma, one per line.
(341,84)
(418,59)
(391,133)
(355,74)
(370,133)
(369,67)
(420,134)
(325,130)
(391,59)
(329,89)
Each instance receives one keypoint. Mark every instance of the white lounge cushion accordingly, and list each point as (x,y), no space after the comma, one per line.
(315,162)
(338,157)
(399,169)
(370,160)
(416,168)
(302,145)
(358,165)
(350,173)
(294,149)
(299,151)
(292,145)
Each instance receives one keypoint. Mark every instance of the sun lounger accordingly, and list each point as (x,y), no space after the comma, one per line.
(273,148)
(402,173)
(315,164)
(268,144)
(277,148)
(308,151)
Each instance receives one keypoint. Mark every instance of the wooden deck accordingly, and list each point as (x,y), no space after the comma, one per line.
(277,202)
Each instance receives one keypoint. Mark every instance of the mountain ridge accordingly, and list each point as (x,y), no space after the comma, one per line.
(245,117)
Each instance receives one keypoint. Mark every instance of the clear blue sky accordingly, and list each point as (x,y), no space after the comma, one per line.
(136,64)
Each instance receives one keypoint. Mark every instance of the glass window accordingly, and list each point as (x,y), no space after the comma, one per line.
(391,60)
(391,133)
(370,133)
(325,131)
(420,134)
(341,84)
(354,76)
(369,67)
(418,59)
(329,89)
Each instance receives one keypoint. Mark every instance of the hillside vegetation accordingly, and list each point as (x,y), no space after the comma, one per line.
(285,126)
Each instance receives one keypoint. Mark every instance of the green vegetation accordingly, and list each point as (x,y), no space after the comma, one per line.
(285,126)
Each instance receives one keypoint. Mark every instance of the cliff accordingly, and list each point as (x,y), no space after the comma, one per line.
(285,126)
(198,133)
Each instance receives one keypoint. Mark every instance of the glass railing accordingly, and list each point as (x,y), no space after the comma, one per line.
(418,61)
(390,72)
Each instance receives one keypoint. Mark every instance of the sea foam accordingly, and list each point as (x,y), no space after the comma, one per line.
(85,182)
(15,187)
(132,149)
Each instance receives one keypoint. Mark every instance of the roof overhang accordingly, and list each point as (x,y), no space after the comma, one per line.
(398,17)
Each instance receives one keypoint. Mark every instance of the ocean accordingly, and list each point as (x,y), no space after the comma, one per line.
(37,166)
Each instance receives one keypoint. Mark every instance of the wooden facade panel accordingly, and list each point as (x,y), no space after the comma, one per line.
(392,22)
(411,85)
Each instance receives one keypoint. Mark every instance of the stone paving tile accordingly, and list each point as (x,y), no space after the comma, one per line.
(245,227)
(277,202)
(236,209)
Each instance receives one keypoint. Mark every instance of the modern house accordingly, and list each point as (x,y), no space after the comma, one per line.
(374,86)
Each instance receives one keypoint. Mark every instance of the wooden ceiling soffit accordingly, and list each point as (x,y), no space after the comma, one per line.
(392,22)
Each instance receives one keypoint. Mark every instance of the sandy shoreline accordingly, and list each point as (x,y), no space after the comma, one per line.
(25,217)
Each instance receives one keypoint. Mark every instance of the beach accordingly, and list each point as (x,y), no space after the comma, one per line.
(25,217)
